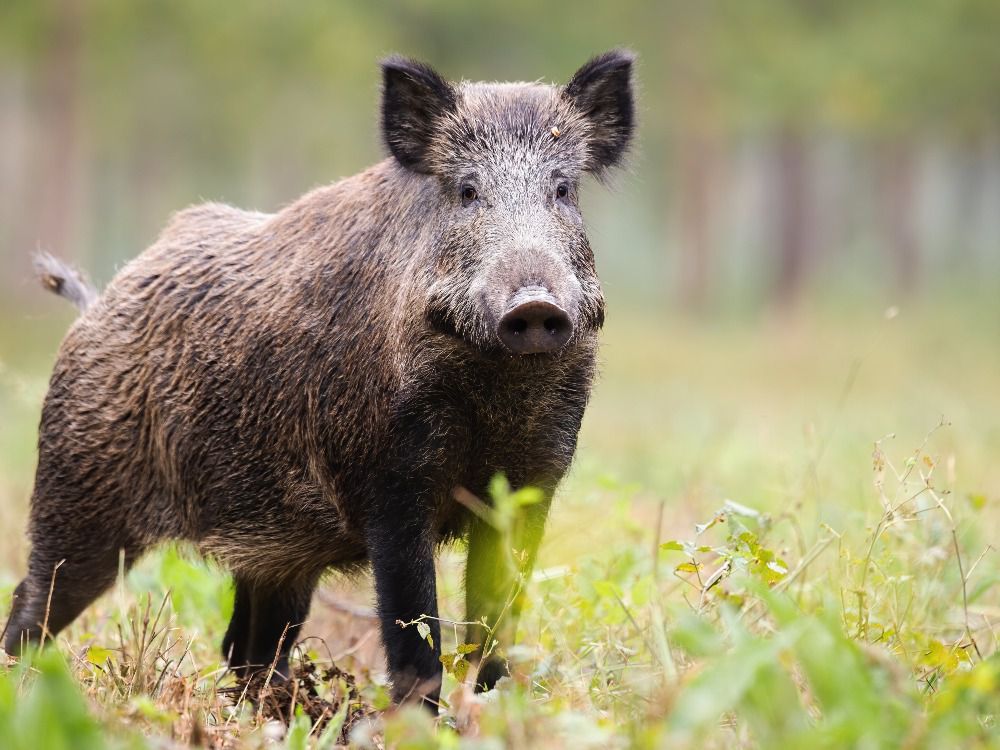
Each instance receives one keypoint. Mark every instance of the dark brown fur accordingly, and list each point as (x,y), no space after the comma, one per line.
(284,391)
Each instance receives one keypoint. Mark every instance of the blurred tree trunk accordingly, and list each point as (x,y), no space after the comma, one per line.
(15,128)
(897,185)
(973,165)
(57,147)
(795,214)
(697,180)
(697,154)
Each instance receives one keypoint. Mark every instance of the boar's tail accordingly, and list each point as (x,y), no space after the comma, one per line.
(64,280)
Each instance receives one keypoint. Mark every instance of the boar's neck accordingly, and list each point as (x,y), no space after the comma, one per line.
(346,257)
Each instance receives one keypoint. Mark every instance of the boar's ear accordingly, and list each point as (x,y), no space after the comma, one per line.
(414,97)
(602,91)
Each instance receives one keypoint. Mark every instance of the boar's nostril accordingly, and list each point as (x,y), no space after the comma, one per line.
(553,325)
(534,327)
(517,326)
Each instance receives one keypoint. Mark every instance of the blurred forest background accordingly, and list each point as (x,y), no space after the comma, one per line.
(786,147)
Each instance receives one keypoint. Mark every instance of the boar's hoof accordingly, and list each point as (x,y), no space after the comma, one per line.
(489,673)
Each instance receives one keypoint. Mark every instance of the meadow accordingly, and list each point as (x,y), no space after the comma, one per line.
(780,531)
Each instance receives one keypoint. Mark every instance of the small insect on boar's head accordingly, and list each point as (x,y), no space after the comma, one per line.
(511,269)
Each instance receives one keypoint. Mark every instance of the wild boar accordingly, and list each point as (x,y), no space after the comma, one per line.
(308,390)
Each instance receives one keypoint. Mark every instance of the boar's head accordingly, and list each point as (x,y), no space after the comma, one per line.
(511,269)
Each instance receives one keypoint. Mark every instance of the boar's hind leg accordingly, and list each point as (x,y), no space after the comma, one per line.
(265,623)
(59,586)
(494,579)
(234,644)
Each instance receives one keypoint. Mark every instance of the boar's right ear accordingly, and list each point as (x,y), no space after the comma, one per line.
(414,97)
(602,91)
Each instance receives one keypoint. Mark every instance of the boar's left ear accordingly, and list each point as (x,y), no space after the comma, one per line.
(414,97)
(602,91)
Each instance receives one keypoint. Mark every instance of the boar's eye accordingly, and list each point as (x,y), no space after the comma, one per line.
(562,190)
(469,194)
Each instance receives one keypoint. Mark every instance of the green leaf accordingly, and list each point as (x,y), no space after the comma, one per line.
(721,687)
(298,733)
(331,732)
(778,567)
(672,545)
(499,488)
(738,509)
(642,591)
(528,496)
(696,636)
(99,656)
(607,589)
(381,700)
(424,630)
(977,500)
(200,595)
(701,528)
(51,713)
(750,540)
(145,706)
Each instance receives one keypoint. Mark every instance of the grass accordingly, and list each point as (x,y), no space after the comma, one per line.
(776,534)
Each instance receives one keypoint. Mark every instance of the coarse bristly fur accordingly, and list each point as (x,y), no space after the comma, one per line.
(305,390)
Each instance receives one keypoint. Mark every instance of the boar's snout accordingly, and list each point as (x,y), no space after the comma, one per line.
(534,323)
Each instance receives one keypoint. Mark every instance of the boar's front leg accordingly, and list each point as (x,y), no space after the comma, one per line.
(401,550)
(499,563)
